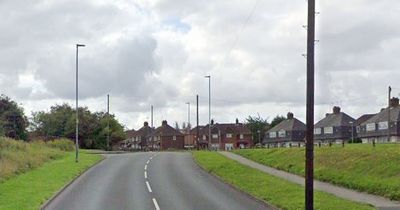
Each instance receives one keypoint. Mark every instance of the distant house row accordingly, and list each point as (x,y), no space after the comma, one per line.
(224,136)
(339,127)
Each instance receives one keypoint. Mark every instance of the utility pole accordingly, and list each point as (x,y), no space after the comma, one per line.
(197,121)
(76,103)
(188,103)
(309,180)
(151,116)
(108,122)
(209,111)
(389,91)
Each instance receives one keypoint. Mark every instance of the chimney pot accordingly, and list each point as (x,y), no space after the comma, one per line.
(146,123)
(237,121)
(336,110)
(290,115)
(164,122)
(394,102)
(212,121)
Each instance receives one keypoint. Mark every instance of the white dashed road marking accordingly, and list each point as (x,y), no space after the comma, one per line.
(145,174)
(156,204)
(148,186)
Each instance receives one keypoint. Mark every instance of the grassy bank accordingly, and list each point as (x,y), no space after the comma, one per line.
(35,171)
(273,190)
(375,170)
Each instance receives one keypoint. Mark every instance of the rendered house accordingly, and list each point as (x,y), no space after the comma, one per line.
(166,137)
(227,136)
(336,127)
(290,132)
(383,127)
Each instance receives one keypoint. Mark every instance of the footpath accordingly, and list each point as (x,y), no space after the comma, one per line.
(377,201)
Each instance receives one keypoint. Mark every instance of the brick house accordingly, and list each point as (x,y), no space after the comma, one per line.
(126,144)
(227,136)
(335,127)
(289,132)
(191,137)
(383,127)
(166,137)
(138,140)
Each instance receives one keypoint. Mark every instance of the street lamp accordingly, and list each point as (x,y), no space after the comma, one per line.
(209,110)
(259,136)
(76,95)
(188,103)
(352,132)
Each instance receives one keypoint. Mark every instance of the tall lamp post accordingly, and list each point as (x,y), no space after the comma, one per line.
(352,131)
(259,137)
(209,110)
(76,95)
(188,103)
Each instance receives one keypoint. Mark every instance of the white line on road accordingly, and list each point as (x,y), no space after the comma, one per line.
(145,167)
(145,174)
(148,162)
(151,157)
(156,204)
(148,186)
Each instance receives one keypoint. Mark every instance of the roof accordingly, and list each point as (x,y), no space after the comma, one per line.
(224,128)
(289,125)
(167,130)
(382,116)
(335,120)
(144,131)
(363,118)
(130,133)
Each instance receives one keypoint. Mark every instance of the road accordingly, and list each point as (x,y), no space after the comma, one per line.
(165,180)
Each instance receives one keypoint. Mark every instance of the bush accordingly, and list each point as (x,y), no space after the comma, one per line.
(61,144)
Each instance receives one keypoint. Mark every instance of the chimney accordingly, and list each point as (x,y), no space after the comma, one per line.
(336,110)
(290,115)
(237,121)
(164,123)
(212,121)
(327,114)
(394,102)
(145,124)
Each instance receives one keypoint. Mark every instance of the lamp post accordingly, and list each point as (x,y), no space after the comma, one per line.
(209,110)
(76,95)
(188,103)
(352,131)
(259,136)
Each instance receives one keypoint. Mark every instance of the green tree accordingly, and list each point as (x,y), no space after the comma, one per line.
(13,122)
(257,126)
(277,119)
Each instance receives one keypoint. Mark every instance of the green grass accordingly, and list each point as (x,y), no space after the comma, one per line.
(273,190)
(375,170)
(29,190)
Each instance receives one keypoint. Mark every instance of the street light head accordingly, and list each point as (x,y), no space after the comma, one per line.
(208,76)
(80,45)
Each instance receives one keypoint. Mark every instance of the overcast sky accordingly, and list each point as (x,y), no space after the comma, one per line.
(157,52)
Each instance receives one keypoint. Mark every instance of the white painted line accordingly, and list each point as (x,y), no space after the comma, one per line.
(145,174)
(148,186)
(145,167)
(156,204)
(148,162)
(151,157)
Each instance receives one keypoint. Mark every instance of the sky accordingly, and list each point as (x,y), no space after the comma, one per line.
(157,52)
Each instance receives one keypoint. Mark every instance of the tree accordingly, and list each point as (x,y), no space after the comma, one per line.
(257,126)
(13,122)
(277,119)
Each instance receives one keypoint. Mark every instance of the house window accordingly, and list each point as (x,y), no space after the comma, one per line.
(317,131)
(215,136)
(272,135)
(383,125)
(370,127)
(282,133)
(241,136)
(228,135)
(174,138)
(204,137)
(328,130)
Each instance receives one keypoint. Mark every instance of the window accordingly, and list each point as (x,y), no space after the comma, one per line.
(282,133)
(241,136)
(383,125)
(174,138)
(204,137)
(328,130)
(215,136)
(317,131)
(272,135)
(228,135)
(371,127)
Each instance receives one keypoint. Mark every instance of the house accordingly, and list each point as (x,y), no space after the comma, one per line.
(226,136)
(191,137)
(287,133)
(126,144)
(383,127)
(166,137)
(335,127)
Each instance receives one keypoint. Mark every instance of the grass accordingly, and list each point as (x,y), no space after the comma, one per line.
(31,189)
(273,190)
(375,170)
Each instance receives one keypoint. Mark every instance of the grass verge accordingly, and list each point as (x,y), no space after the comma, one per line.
(273,190)
(29,190)
(361,167)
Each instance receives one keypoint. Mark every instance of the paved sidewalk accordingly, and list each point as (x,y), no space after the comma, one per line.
(377,201)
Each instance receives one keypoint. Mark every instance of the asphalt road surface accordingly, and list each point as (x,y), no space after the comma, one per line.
(166,180)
